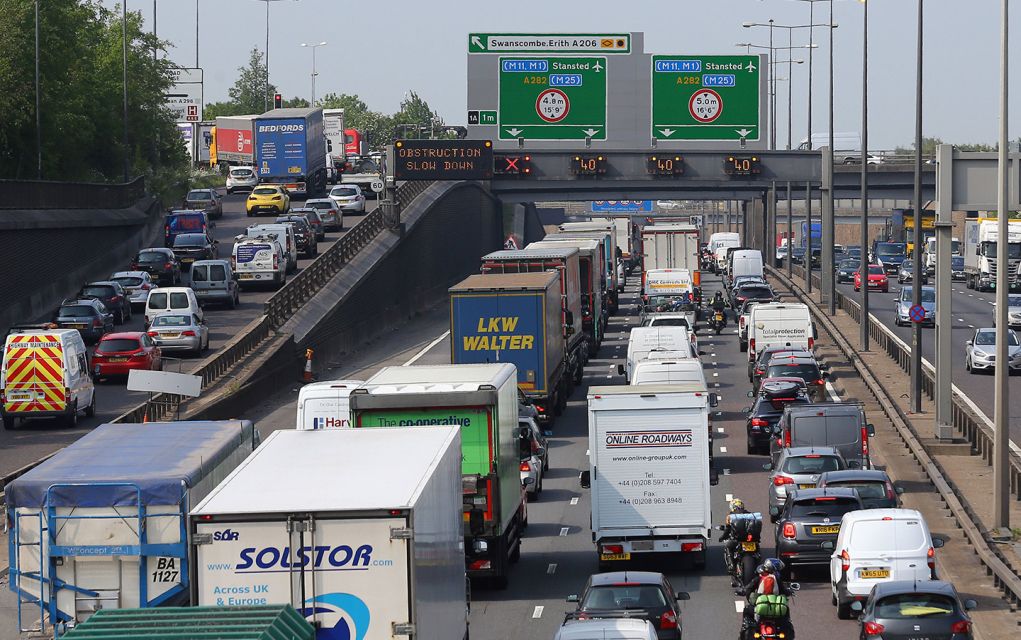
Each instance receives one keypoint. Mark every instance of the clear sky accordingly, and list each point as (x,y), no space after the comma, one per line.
(380,49)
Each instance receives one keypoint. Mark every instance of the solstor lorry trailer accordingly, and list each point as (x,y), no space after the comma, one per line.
(649,471)
(482,399)
(516,318)
(365,546)
(103,523)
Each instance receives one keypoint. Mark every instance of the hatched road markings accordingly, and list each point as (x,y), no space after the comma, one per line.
(832,393)
(537,611)
(738,605)
(574,501)
(563,532)
(728,497)
(723,449)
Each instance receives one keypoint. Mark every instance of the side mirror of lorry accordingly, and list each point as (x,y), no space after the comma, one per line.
(714,400)
(620,369)
(476,521)
(585,478)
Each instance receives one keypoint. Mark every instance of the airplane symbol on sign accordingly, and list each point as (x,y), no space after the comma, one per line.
(598,67)
(751,67)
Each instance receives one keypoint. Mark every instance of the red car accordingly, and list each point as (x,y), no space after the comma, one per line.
(118,353)
(877,279)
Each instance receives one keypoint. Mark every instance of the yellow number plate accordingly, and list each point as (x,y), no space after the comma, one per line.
(247,276)
(749,546)
(806,486)
(614,556)
(874,573)
(118,359)
(830,529)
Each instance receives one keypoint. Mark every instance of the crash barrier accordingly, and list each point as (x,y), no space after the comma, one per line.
(277,310)
(48,254)
(996,565)
(47,194)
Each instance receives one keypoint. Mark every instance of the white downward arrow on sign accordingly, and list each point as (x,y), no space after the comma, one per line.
(667,132)
(477,41)
(590,132)
(743,132)
(514,132)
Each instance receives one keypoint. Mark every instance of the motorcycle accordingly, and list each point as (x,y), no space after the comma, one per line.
(774,626)
(717,322)
(745,555)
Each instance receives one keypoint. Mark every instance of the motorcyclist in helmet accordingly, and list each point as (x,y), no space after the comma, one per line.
(766,581)
(718,304)
(727,537)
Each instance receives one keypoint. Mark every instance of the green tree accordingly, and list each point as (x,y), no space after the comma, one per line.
(295,103)
(416,111)
(250,93)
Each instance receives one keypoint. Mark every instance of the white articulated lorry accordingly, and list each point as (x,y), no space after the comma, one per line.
(649,471)
(980,251)
(358,529)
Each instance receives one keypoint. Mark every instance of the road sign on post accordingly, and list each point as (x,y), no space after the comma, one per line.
(705,97)
(552,98)
(184,97)
(916,313)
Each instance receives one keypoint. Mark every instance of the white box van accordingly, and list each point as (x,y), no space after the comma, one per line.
(779,323)
(46,373)
(879,545)
(259,260)
(724,239)
(324,405)
(644,340)
(284,234)
(667,370)
(745,262)
(164,299)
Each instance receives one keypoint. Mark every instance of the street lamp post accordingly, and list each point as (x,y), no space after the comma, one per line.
(773,79)
(864,267)
(916,258)
(314,74)
(1001,415)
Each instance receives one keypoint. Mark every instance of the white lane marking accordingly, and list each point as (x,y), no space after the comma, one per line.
(719,430)
(613,366)
(716,364)
(960,319)
(537,611)
(832,393)
(971,295)
(609,376)
(426,349)
(971,326)
(713,355)
(728,497)
(719,413)
(723,449)
(551,569)
(587,451)
(726,472)
(574,501)
(716,384)
(716,375)
(739,605)
(563,532)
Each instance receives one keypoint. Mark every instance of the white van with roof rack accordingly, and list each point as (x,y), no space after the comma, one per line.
(259,260)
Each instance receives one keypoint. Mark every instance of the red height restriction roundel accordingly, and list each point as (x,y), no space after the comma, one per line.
(705,105)
(552,105)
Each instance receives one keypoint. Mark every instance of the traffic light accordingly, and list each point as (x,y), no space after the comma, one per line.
(278,100)
(512,165)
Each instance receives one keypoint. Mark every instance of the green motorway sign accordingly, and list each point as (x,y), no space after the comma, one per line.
(573,43)
(705,97)
(552,98)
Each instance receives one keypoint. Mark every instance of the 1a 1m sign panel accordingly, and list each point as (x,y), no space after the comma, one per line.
(552,98)
(705,97)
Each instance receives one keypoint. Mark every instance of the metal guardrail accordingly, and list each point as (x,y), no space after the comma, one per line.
(965,420)
(46,194)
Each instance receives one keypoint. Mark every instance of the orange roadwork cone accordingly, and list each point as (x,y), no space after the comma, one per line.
(306,376)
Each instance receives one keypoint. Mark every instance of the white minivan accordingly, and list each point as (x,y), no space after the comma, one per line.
(745,262)
(164,299)
(259,260)
(324,405)
(879,545)
(779,323)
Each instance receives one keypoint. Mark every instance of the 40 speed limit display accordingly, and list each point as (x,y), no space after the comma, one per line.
(550,98)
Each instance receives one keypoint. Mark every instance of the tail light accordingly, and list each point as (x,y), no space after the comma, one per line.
(751,345)
(874,629)
(97,322)
(152,334)
(811,343)
(276,261)
(690,547)
(668,620)
(766,630)
(864,441)
(534,446)
(962,626)
(788,530)
(613,548)
(134,266)
(779,481)
(930,558)
(115,299)
(787,438)
(525,466)
(540,408)
(820,382)
(890,493)
(168,265)
(759,422)
(189,333)
(145,286)
(845,561)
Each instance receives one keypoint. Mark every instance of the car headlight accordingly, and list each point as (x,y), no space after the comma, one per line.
(978,353)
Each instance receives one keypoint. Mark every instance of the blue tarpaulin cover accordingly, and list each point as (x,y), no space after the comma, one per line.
(163,459)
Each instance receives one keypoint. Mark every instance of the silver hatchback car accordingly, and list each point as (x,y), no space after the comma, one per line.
(799,468)
(179,332)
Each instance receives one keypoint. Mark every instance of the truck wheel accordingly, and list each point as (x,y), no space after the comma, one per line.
(72,417)
(90,411)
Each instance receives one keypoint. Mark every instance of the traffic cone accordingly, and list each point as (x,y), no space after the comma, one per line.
(306,376)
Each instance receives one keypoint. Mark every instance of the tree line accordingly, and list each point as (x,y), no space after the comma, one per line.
(81,93)
(250,93)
